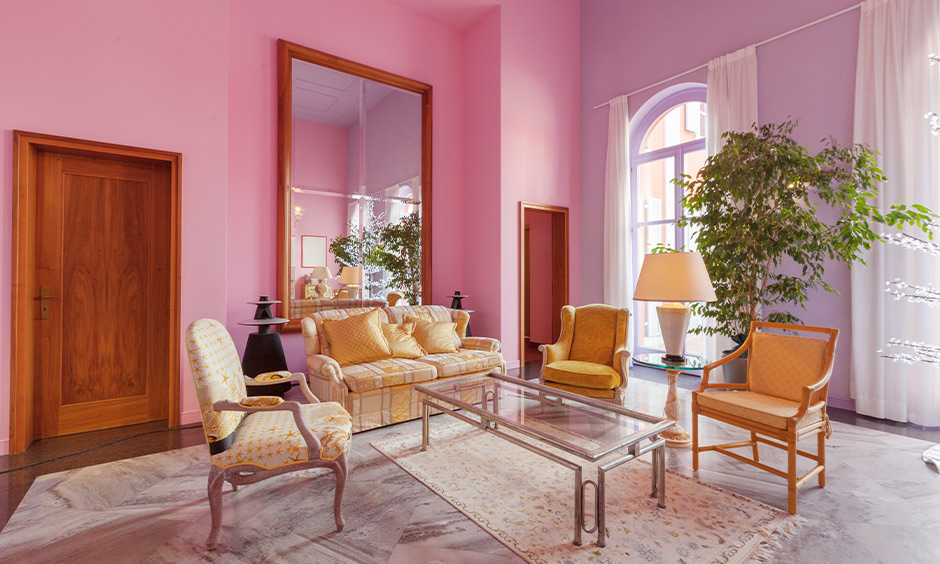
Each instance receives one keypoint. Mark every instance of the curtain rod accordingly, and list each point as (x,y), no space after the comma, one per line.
(764,42)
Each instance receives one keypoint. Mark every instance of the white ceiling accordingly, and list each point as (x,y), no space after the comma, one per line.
(458,14)
(327,96)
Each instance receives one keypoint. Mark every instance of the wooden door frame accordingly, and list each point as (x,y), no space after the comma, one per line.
(26,148)
(560,241)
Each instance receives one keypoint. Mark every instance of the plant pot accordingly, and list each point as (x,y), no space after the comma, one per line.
(735,372)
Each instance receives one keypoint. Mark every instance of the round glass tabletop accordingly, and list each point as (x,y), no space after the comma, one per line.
(656,360)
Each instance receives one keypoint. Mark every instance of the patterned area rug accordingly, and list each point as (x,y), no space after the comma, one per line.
(527,503)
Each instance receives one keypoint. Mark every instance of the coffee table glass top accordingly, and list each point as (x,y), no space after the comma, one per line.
(583,426)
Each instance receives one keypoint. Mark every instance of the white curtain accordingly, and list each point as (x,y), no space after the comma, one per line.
(731,105)
(894,88)
(618,249)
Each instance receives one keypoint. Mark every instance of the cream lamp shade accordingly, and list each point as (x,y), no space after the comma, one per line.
(674,277)
(321,272)
(351,276)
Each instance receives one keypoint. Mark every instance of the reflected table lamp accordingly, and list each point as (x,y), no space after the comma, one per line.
(351,276)
(674,278)
(324,274)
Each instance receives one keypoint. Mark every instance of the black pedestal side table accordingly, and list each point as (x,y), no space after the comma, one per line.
(457,303)
(263,352)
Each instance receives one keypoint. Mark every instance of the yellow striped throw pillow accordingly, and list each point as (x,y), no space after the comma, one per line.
(357,339)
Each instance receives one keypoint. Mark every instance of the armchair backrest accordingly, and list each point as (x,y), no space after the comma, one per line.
(218,375)
(599,331)
(782,365)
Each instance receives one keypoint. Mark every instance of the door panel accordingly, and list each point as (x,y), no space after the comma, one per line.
(103,249)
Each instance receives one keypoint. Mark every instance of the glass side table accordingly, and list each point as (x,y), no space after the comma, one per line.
(675,436)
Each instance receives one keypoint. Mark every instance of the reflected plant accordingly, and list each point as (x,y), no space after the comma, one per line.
(399,252)
(359,248)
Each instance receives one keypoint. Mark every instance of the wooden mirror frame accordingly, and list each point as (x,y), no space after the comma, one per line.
(286,53)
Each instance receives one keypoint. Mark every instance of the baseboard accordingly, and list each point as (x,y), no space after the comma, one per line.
(189,417)
(841,403)
(512,364)
(4,447)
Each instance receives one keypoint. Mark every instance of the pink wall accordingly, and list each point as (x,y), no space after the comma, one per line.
(318,155)
(367,31)
(540,97)
(540,274)
(393,141)
(105,70)
(809,75)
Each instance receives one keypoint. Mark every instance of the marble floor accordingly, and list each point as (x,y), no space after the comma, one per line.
(881,504)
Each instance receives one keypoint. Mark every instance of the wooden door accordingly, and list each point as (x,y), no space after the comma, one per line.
(103,257)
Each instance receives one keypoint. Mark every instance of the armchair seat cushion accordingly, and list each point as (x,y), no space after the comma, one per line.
(767,410)
(270,439)
(464,361)
(385,373)
(586,392)
(582,374)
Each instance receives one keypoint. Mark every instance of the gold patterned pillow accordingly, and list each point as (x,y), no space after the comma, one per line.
(401,340)
(357,339)
(434,336)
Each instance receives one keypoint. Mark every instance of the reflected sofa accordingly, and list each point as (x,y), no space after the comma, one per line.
(381,392)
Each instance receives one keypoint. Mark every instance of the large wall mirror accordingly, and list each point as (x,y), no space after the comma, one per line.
(354,174)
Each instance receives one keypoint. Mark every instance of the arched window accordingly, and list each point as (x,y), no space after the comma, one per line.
(668,140)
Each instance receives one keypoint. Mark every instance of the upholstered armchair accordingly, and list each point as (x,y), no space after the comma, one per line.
(590,357)
(782,402)
(254,438)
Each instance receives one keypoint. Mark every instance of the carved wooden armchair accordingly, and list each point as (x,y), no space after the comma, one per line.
(254,438)
(782,402)
(590,357)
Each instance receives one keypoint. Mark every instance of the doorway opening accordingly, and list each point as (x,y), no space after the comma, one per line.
(543,241)
(95,337)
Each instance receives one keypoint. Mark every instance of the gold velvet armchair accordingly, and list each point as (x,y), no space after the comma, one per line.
(782,402)
(590,357)
(254,438)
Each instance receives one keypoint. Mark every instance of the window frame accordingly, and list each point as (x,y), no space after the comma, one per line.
(648,118)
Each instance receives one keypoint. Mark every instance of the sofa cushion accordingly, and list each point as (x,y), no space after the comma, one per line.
(357,339)
(320,317)
(769,410)
(398,314)
(401,340)
(464,361)
(434,336)
(369,376)
(582,374)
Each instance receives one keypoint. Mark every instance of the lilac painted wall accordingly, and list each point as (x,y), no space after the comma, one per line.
(808,76)
(70,70)
(367,31)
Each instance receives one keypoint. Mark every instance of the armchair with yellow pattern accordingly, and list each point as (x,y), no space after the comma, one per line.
(590,357)
(254,438)
(782,402)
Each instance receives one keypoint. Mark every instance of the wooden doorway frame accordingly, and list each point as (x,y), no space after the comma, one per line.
(26,147)
(560,265)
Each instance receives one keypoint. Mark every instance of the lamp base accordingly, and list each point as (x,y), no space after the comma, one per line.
(674,324)
(677,358)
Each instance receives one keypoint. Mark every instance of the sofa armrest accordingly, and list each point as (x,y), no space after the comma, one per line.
(326,378)
(480,344)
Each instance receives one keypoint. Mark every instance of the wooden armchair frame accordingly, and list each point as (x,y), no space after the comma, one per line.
(813,400)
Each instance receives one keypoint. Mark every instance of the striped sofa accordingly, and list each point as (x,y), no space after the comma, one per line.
(382,392)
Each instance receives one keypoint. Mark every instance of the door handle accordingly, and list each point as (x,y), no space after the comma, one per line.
(44,298)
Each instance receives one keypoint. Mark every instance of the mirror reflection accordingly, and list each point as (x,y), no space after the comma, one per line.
(355,189)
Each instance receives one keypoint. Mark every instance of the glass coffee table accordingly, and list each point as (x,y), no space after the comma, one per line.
(536,415)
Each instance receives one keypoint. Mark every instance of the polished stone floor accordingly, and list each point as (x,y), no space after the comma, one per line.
(881,503)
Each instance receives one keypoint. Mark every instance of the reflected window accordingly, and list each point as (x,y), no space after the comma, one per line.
(670,142)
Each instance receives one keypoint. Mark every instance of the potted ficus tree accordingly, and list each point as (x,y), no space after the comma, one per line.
(769,216)
(399,253)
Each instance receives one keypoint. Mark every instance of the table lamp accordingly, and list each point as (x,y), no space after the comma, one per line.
(673,278)
(352,277)
(324,274)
